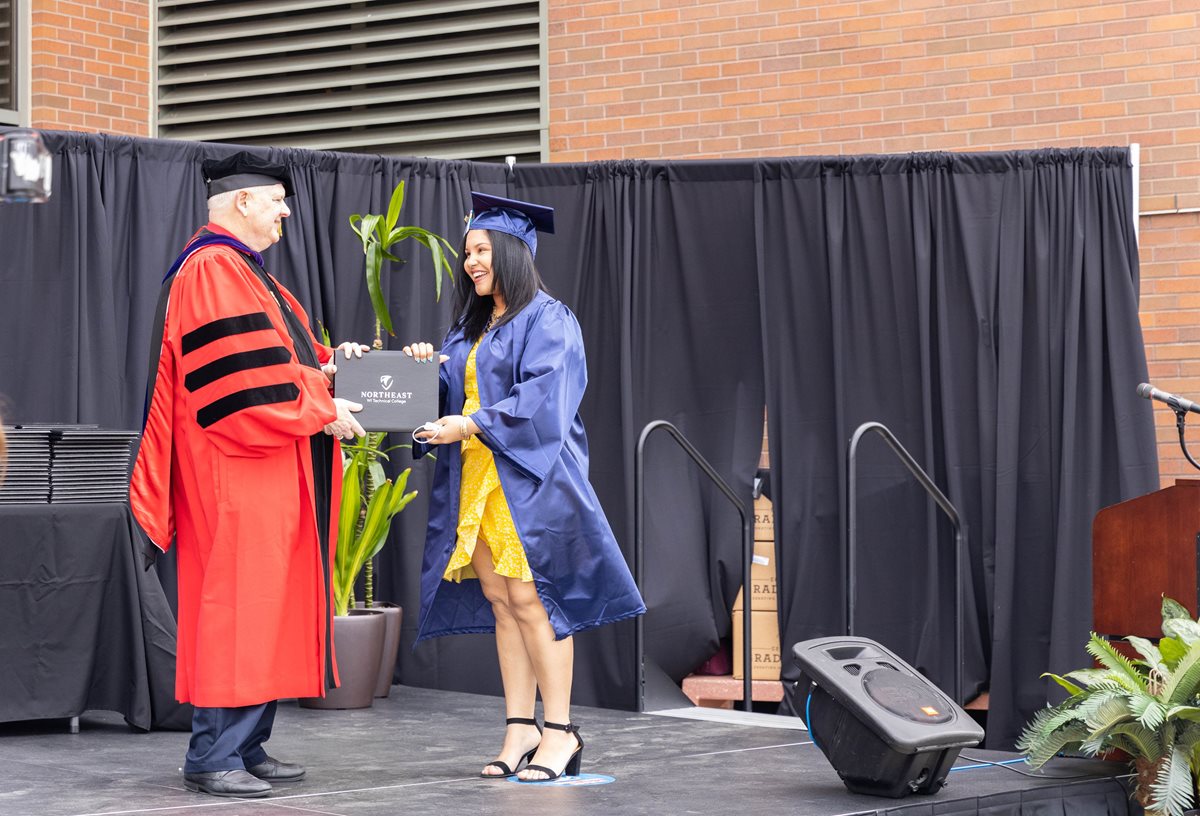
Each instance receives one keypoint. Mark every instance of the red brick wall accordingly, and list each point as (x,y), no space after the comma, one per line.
(1170,255)
(90,66)
(737,78)
(657,79)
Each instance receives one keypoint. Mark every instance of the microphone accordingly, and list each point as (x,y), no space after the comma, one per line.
(1148,391)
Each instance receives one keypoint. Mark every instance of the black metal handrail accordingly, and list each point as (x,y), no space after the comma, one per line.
(639,527)
(942,502)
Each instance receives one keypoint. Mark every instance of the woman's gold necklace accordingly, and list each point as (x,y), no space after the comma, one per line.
(492,320)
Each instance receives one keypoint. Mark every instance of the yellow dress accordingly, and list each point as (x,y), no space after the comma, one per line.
(483,511)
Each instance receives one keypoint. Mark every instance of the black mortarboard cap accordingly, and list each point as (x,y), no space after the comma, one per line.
(241,170)
(518,218)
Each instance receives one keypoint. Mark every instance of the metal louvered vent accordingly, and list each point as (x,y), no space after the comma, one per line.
(452,79)
(8,53)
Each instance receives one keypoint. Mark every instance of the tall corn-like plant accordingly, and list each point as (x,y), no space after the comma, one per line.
(369,502)
(1148,707)
(379,233)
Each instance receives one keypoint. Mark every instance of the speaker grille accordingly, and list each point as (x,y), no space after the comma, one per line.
(905,696)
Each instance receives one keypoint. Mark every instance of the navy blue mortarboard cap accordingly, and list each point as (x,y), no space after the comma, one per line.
(517,218)
(242,170)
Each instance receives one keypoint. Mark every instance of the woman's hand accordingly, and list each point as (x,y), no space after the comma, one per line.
(423,353)
(453,428)
(348,348)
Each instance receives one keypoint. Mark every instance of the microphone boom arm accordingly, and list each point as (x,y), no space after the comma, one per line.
(1180,424)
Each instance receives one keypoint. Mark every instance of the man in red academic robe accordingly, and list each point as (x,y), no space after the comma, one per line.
(238,462)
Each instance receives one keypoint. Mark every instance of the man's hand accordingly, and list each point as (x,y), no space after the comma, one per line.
(345,426)
(348,348)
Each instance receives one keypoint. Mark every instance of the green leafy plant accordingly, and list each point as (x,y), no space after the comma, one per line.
(1146,707)
(379,233)
(369,503)
(369,500)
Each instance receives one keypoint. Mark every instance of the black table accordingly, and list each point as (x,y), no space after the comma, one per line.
(82,625)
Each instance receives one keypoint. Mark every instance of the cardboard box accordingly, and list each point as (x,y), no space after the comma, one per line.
(764,520)
(764,644)
(763,589)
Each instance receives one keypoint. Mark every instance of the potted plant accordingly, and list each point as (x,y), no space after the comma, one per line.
(370,500)
(1146,707)
(379,233)
(365,459)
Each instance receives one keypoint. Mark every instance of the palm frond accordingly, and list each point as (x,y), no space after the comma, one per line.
(1173,786)
(1097,680)
(1112,712)
(1097,699)
(1136,740)
(1147,710)
(1041,747)
(1051,719)
(1189,713)
(1123,670)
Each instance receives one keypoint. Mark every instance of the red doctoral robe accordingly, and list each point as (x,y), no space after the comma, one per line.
(225,466)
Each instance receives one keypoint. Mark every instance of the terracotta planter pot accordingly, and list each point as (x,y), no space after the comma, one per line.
(358,642)
(393,616)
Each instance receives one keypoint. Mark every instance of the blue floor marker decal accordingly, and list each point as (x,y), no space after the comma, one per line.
(570,781)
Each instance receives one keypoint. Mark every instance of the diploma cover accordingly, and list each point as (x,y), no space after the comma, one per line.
(396,392)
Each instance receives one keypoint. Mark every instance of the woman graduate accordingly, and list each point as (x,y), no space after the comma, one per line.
(513,519)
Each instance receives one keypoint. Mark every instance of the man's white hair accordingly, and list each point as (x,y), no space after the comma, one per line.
(221,200)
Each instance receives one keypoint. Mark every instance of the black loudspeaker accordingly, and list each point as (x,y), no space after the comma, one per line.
(884,728)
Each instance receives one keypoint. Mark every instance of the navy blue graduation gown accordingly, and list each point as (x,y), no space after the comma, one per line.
(531,374)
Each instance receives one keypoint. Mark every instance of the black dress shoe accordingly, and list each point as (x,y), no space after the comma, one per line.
(272,770)
(227,783)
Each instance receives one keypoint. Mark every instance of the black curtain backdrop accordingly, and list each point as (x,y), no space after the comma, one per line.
(983,306)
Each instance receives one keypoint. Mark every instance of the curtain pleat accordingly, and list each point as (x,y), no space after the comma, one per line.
(984,309)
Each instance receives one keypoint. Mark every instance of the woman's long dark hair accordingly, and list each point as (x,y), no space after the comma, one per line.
(513,275)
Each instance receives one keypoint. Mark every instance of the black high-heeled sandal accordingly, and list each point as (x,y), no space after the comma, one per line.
(527,757)
(572,766)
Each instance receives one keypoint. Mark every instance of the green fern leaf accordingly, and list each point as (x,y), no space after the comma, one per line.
(1112,712)
(1137,740)
(1172,788)
(1123,670)
(1041,748)
(1189,713)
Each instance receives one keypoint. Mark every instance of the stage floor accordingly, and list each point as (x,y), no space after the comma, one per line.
(418,752)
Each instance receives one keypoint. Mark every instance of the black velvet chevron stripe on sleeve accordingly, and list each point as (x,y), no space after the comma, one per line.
(224,327)
(248,398)
(232,363)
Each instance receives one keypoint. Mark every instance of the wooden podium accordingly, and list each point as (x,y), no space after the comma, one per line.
(1143,549)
